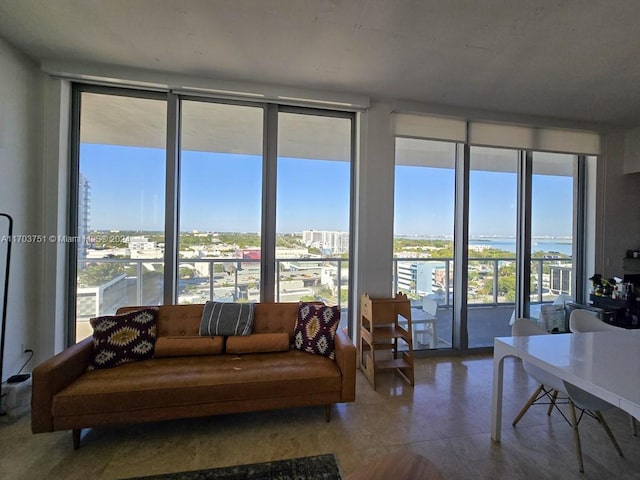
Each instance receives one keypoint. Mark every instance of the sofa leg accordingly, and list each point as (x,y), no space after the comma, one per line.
(327,413)
(76,438)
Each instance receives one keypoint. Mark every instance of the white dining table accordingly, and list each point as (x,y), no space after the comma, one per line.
(605,364)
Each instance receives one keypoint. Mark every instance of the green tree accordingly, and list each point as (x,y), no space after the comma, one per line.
(185,272)
(190,240)
(242,240)
(507,284)
(95,274)
(289,241)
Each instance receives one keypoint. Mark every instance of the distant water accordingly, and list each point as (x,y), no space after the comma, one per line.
(509,245)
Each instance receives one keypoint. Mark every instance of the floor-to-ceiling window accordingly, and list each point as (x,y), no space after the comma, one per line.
(120,180)
(493,215)
(220,202)
(520,235)
(551,248)
(552,221)
(239,171)
(313,207)
(423,234)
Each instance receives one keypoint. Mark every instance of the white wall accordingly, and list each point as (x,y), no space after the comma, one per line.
(55,190)
(632,151)
(374,204)
(20,196)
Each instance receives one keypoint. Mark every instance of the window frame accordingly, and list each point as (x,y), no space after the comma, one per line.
(172,188)
(460,337)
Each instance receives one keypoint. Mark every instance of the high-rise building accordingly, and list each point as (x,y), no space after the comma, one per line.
(421,278)
(335,242)
(84,210)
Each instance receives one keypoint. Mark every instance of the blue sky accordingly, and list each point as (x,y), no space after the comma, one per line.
(424,203)
(219,192)
(222,192)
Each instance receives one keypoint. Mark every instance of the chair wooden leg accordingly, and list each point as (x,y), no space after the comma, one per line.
(634,429)
(327,413)
(528,404)
(576,434)
(554,397)
(76,438)
(609,432)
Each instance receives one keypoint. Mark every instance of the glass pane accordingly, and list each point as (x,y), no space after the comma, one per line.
(423,235)
(120,205)
(220,203)
(551,231)
(312,209)
(493,184)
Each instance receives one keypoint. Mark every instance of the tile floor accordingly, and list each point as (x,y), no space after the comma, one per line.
(445,417)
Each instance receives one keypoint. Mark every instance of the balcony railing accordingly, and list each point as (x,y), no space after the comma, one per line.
(108,283)
(113,282)
(487,268)
(139,281)
(240,278)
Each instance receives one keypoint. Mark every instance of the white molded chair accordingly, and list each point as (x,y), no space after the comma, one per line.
(551,385)
(593,407)
(427,323)
(430,307)
(588,321)
(562,298)
(582,320)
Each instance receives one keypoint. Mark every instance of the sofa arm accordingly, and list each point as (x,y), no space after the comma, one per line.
(346,360)
(52,376)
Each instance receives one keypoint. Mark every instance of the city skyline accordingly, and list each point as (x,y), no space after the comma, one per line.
(480,238)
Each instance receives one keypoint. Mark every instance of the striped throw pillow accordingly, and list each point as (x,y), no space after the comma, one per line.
(226,319)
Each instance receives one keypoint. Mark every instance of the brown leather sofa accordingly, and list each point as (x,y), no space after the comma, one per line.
(68,397)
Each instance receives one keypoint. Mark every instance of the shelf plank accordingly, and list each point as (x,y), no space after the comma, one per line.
(395,363)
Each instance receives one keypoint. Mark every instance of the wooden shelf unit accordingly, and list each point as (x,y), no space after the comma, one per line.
(380,331)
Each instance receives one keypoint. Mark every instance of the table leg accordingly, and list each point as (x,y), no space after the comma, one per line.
(496,401)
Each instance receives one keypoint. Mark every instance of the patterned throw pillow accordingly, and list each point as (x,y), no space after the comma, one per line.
(119,339)
(315,330)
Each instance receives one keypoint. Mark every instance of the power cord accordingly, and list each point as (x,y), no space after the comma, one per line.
(21,377)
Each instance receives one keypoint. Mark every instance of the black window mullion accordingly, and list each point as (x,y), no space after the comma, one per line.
(269,186)
(523,234)
(579,221)
(172,200)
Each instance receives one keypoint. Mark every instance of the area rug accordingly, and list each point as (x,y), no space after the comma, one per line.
(319,467)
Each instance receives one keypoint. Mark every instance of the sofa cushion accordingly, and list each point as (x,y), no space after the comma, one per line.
(258,343)
(190,381)
(275,317)
(315,329)
(120,339)
(221,318)
(182,345)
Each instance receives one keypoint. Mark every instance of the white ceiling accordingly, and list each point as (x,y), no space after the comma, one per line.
(571,59)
